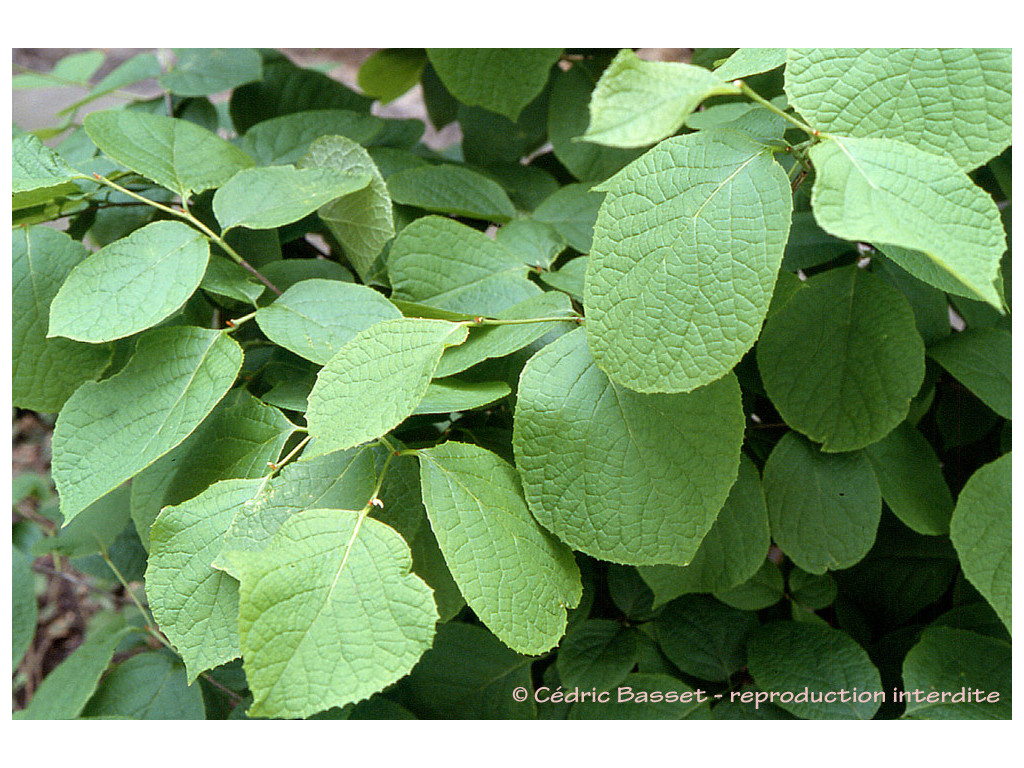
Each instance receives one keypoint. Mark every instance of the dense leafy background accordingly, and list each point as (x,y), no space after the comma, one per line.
(652,379)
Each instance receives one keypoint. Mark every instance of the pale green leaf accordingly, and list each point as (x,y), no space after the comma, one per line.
(687,247)
(24,611)
(286,139)
(148,686)
(646,696)
(951,101)
(204,71)
(45,371)
(572,211)
(823,508)
(750,61)
(703,637)
(451,189)
(921,210)
(109,431)
(38,173)
(174,153)
(329,613)
(860,337)
(622,476)
(362,222)
(980,530)
(75,69)
(390,72)
(597,654)
(517,578)
(231,281)
(980,360)
(787,656)
(142,66)
(132,284)
(266,198)
(446,264)
(534,242)
(910,477)
(502,80)
(637,102)
(569,278)
(450,395)
(731,552)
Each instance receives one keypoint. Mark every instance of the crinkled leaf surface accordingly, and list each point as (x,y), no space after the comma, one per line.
(750,61)
(637,102)
(148,686)
(451,189)
(731,552)
(376,380)
(176,154)
(687,247)
(980,530)
(451,266)
(622,476)
(597,653)
(109,431)
(704,637)
(842,359)
(316,318)
(38,173)
(823,508)
(922,211)
(265,198)
(502,80)
(329,613)
(287,138)
(132,284)
(951,101)
(45,371)
(518,578)
(980,360)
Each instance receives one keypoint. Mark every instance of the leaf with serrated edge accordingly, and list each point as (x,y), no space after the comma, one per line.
(516,577)
(626,477)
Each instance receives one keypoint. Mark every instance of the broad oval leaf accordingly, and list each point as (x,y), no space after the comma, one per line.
(626,477)
(285,139)
(329,613)
(951,101)
(823,508)
(979,358)
(687,247)
(980,531)
(922,211)
(598,654)
(451,189)
(703,637)
(376,381)
(132,284)
(860,337)
(517,578)
(572,211)
(176,154)
(109,431)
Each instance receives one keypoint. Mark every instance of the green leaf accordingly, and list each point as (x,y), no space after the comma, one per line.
(811,591)
(231,281)
(195,605)
(109,431)
(329,613)
(75,69)
(266,198)
(469,674)
(45,371)
(536,243)
(24,611)
(363,221)
(445,264)
(930,305)
(686,250)
(980,360)
(761,590)
(949,101)
(568,278)
(750,61)
(809,245)
(920,209)
(516,577)
(131,285)
(65,691)
(731,552)
(572,211)
(944,662)
(597,654)
(38,173)
(316,318)
(142,66)
(910,477)
(644,696)
(428,563)
(787,657)
(626,477)
(823,508)
(502,80)
(492,341)
(285,139)
(93,530)
(376,380)
(451,189)
(175,154)
(288,272)
(390,72)
(703,637)
(204,71)
(450,395)
(148,686)
(980,530)
(568,118)
(860,337)
(637,102)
